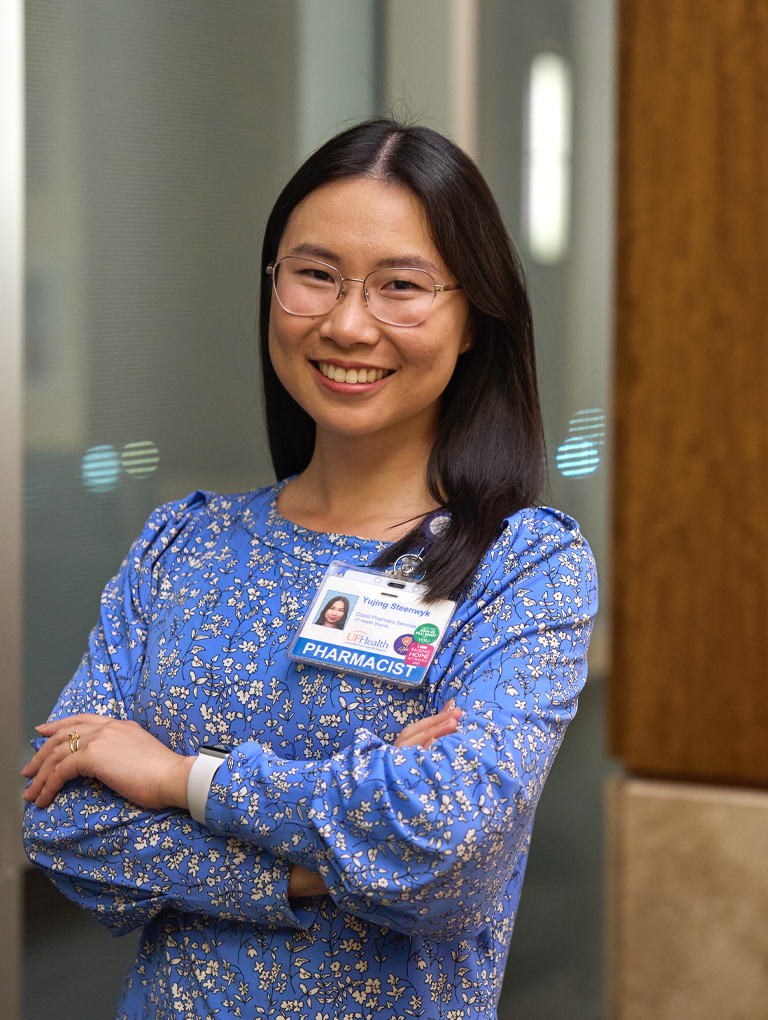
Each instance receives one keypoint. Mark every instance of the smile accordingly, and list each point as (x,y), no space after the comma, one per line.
(351,376)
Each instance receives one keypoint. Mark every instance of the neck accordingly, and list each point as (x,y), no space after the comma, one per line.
(369,486)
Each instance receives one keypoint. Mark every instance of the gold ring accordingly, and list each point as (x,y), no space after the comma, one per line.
(74,741)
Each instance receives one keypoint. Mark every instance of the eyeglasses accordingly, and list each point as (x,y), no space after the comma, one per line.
(398,297)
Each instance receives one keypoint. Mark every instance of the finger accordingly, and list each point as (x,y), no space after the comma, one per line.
(419,726)
(56,748)
(84,724)
(69,722)
(442,724)
(43,754)
(425,741)
(48,767)
(424,737)
(430,721)
(56,753)
(423,727)
(442,717)
(427,721)
(66,769)
(56,724)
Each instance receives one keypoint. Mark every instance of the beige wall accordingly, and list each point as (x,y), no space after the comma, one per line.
(689,920)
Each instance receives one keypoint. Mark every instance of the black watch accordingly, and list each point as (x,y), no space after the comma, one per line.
(215,751)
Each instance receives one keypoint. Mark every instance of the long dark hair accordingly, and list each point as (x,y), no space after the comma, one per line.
(487,461)
(339,625)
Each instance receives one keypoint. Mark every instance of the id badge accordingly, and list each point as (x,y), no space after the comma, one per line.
(373,624)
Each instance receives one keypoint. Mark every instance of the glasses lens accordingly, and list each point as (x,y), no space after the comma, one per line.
(306,287)
(401,297)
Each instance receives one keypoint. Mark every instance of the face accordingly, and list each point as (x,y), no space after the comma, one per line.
(334,612)
(358,226)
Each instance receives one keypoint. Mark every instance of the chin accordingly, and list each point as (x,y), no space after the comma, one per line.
(352,425)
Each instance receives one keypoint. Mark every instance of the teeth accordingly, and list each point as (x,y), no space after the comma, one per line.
(352,376)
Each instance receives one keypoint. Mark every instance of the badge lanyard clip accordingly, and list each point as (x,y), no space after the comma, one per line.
(410,566)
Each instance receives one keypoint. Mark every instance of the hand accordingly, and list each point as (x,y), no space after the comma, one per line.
(122,754)
(424,732)
(302,882)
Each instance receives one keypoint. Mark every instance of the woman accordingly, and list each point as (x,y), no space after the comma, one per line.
(334,613)
(361,848)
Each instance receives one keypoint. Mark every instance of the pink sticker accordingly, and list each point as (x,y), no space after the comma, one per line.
(419,655)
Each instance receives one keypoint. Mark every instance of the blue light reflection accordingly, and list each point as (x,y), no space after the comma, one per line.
(100,468)
(579,455)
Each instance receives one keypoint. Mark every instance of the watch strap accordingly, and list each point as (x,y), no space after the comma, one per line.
(204,768)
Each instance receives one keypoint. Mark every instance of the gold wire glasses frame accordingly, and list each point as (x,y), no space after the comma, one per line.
(397,297)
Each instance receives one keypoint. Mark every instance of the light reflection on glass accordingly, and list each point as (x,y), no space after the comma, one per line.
(100,468)
(549,157)
(140,458)
(579,455)
(589,424)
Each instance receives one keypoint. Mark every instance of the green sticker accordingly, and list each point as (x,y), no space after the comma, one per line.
(425,634)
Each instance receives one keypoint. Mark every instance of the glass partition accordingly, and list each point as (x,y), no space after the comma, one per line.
(158,135)
(546,145)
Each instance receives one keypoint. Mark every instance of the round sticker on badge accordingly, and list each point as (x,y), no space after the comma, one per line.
(403,643)
(426,634)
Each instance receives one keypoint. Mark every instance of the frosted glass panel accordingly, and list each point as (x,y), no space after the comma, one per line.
(159,135)
(570,283)
(555,966)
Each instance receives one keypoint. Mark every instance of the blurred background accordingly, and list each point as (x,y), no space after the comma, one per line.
(142,144)
(157,136)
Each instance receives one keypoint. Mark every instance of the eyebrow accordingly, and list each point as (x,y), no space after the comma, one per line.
(409,262)
(316,251)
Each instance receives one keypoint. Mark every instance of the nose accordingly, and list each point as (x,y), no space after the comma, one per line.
(350,320)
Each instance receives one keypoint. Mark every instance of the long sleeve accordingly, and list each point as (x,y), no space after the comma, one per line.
(122,862)
(427,842)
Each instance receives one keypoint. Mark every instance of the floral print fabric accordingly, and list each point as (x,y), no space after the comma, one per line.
(423,852)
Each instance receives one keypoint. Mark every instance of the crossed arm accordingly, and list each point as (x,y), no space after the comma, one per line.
(140,768)
(421,842)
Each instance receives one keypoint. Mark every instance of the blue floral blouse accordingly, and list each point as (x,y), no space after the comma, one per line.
(423,852)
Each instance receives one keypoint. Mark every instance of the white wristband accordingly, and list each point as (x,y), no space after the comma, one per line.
(199,782)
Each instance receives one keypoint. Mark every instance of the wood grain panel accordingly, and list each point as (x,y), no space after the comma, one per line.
(690,679)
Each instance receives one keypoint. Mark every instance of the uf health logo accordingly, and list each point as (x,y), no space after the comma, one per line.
(360,637)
